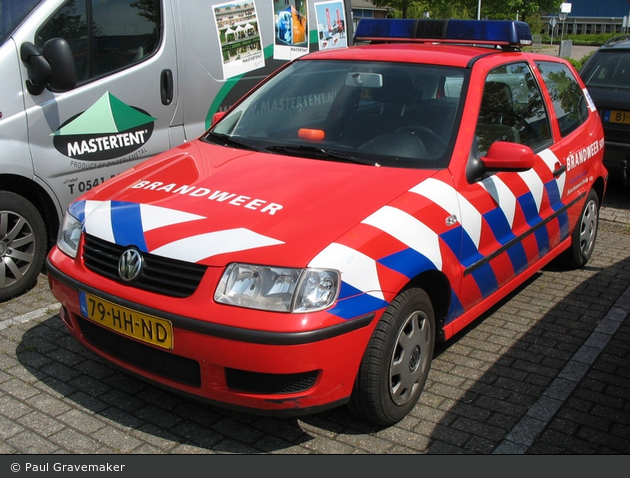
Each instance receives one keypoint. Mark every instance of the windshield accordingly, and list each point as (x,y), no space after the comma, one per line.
(12,12)
(379,113)
(609,69)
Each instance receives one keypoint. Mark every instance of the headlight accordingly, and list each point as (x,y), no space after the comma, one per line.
(69,235)
(278,289)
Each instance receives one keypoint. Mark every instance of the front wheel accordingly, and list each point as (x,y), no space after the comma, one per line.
(22,245)
(397,360)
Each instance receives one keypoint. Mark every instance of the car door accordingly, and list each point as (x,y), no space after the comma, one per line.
(121,110)
(511,218)
(576,127)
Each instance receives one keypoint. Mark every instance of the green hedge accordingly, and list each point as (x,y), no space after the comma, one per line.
(588,40)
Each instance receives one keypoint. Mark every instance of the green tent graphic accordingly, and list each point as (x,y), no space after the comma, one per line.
(107,115)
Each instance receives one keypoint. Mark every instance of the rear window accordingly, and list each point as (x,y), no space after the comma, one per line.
(568,98)
(608,69)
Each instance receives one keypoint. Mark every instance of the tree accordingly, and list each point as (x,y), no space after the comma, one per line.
(402,7)
(491,9)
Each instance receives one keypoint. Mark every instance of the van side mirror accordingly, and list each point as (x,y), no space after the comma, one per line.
(51,66)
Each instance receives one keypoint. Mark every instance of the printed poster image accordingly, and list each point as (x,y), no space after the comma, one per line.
(239,35)
(291,29)
(331,25)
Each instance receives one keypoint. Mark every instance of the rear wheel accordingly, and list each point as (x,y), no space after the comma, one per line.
(397,360)
(22,245)
(584,234)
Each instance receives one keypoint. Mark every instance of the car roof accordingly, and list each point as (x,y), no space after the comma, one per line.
(621,42)
(448,42)
(442,54)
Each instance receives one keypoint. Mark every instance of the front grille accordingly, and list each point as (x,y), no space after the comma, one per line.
(162,275)
(167,365)
(269,383)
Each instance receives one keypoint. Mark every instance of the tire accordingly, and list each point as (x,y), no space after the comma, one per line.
(584,234)
(397,360)
(23,245)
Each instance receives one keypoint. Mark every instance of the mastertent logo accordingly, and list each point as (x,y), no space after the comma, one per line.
(108,129)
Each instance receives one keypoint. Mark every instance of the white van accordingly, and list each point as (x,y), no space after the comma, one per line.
(91,87)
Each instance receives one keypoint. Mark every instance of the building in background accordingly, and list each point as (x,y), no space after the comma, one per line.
(590,17)
(366,9)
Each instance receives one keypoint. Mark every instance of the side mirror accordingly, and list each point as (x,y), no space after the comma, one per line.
(503,156)
(51,66)
(216,117)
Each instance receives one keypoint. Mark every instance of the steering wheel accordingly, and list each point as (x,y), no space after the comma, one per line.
(434,138)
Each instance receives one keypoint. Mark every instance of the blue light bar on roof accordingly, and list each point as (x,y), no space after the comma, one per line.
(491,32)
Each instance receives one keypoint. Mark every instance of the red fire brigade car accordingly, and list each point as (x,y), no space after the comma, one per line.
(358,205)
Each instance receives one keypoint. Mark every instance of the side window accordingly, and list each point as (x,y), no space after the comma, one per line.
(105,36)
(568,98)
(512,109)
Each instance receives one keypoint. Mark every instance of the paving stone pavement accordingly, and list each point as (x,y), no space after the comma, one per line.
(544,372)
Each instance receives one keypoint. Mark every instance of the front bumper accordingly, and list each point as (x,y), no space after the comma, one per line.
(282,373)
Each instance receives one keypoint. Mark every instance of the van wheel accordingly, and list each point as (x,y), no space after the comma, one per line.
(397,360)
(22,245)
(584,234)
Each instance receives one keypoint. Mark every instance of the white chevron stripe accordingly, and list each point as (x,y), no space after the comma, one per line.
(98,219)
(551,160)
(535,185)
(357,269)
(457,205)
(202,246)
(502,195)
(156,216)
(408,230)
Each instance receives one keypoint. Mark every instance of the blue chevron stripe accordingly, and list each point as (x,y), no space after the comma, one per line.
(353,303)
(503,233)
(408,262)
(77,209)
(528,206)
(127,225)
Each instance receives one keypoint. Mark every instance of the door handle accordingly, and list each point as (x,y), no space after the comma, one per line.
(559,170)
(166,87)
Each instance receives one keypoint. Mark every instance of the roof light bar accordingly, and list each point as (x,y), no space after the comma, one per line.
(483,32)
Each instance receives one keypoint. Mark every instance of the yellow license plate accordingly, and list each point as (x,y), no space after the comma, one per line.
(615,116)
(146,328)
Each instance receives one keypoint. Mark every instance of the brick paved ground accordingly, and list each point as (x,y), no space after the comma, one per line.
(545,372)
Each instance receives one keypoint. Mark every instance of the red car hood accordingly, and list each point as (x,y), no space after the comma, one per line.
(214,205)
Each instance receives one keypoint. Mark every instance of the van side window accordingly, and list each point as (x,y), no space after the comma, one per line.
(105,36)
(11,15)
(568,98)
(512,109)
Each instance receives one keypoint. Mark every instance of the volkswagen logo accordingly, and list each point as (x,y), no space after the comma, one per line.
(130,265)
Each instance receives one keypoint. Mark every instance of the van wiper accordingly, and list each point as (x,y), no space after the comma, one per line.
(227,140)
(315,152)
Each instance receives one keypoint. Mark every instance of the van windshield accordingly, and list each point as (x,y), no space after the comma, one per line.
(12,12)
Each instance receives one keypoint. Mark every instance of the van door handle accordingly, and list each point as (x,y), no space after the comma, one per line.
(166,87)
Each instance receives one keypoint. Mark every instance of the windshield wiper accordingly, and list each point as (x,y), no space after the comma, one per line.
(227,140)
(318,153)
